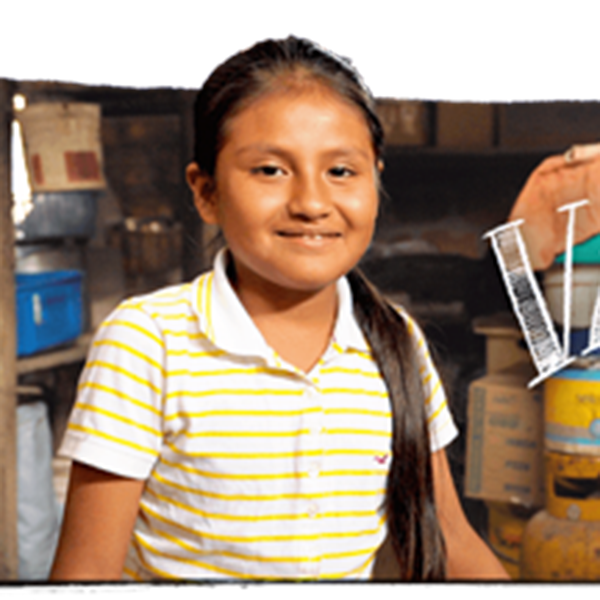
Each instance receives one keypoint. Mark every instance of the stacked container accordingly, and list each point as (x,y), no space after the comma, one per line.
(562,541)
(63,152)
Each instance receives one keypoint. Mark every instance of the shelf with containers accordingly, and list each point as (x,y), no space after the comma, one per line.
(147,234)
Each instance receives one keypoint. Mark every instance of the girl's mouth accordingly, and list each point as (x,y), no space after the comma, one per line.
(316,236)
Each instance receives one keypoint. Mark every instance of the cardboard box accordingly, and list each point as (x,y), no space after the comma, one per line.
(503,341)
(404,122)
(465,125)
(505,438)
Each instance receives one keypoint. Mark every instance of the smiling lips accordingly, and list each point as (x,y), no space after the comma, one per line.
(309,235)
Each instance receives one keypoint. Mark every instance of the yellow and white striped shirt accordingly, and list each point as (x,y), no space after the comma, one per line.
(253,468)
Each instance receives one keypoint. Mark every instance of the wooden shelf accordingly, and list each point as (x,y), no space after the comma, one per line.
(473,152)
(76,352)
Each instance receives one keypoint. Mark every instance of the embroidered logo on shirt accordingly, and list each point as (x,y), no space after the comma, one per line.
(382,458)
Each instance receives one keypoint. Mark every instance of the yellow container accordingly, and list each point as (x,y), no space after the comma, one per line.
(506,523)
(572,412)
(562,543)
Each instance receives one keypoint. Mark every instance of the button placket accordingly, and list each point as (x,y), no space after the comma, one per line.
(314,422)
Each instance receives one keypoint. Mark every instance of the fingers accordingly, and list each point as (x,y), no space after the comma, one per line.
(554,183)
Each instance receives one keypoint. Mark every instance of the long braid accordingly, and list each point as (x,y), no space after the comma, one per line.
(410,505)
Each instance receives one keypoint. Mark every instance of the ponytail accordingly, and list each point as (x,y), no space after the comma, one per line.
(410,506)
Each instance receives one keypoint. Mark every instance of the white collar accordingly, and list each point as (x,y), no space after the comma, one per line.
(232,329)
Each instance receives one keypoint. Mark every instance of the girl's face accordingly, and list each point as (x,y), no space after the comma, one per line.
(295,189)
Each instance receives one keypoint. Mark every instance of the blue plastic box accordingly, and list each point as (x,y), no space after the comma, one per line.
(49,309)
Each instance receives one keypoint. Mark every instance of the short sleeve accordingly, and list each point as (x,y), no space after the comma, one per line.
(442,429)
(116,423)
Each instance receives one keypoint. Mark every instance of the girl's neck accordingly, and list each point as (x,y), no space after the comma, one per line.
(297,324)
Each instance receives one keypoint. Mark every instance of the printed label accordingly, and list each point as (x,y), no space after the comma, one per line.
(38,317)
(82,166)
(36,168)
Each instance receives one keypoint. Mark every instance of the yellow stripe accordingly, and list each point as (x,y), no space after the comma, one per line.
(112,438)
(274,476)
(264,559)
(275,455)
(189,561)
(175,317)
(173,300)
(242,413)
(199,288)
(152,303)
(232,371)
(131,350)
(150,568)
(434,392)
(134,326)
(247,434)
(235,392)
(362,354)
(347,371)
(210,328)
(111,367)
(354,392)
(441,426)
(358,411)
(351,431)
(132,574)
(117,417)
(184,333)
(119,394)
(432,417)
(278,413)
(191,354)
(349,514)
(284,434)
(250,539)
(266,497)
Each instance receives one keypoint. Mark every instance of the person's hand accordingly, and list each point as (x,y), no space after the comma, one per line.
(557,181)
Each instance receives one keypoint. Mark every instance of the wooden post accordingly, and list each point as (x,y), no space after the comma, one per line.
(8,352)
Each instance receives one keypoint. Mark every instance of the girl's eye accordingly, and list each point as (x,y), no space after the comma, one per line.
(268,170)
(341,171)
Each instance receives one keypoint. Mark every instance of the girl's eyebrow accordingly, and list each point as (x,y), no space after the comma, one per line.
(278,151)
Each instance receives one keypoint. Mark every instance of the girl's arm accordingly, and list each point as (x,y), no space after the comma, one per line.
(100,512)
(468,557)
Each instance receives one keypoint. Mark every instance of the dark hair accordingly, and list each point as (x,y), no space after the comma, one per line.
(410,507)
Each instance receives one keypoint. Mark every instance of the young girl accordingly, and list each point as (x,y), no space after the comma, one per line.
(275,418)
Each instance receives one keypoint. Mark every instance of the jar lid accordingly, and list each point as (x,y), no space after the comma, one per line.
(586,253)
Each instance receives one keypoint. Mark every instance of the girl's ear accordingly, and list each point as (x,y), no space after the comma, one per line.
(203,188)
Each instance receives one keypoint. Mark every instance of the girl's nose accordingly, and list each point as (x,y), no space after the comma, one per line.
(309,198)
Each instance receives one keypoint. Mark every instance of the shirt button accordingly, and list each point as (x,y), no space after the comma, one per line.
(316,430)
(313,509)
(314,468)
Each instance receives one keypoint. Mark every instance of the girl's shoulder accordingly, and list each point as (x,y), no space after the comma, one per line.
(170,307)
(180,295)
(411,323)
